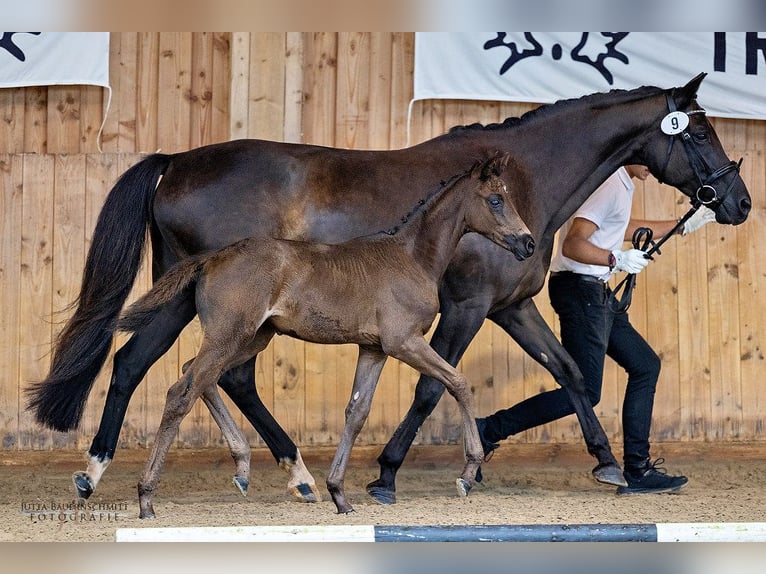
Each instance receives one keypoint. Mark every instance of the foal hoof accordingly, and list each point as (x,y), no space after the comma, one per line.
(609,474)
(306,493)
(463,487)
(83,485)
(381,494)
(241,484)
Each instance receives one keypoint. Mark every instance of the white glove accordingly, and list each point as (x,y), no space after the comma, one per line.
(632,260)
(702,216)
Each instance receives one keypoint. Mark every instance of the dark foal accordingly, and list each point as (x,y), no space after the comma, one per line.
(379,292)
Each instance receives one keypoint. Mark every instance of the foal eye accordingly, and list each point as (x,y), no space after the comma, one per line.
(495,201)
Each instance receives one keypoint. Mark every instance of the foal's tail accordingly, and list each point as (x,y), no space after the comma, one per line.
(110,270)
(179,281)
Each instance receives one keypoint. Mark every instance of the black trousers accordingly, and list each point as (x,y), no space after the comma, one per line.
(590,330)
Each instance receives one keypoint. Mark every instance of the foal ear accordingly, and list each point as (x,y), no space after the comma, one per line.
(687,93)
(495,165)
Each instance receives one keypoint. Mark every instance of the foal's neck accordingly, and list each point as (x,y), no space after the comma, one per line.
(432,234)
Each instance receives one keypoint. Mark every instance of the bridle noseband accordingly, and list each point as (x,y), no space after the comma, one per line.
(706,194)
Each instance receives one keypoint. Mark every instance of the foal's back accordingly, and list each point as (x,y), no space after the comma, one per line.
(333,294)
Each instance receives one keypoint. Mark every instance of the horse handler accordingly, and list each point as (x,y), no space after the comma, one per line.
(594,326)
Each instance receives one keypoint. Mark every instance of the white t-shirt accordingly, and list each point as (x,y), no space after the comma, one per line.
(609,208)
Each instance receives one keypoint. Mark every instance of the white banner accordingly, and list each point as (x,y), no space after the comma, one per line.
(548,66)
(48,58)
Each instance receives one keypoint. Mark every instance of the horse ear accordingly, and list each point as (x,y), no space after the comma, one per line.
(687,93)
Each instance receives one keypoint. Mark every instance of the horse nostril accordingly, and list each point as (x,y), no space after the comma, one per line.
(745,205)
(530,246)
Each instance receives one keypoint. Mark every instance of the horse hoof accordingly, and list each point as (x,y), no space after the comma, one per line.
(306,493)
(83,485)
(241,484)
(381,494)
(609,474)
(146,514)
(463,487)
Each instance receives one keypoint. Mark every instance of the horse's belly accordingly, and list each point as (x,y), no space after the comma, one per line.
(317,326)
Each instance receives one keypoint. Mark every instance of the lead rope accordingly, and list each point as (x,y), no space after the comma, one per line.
(621,296)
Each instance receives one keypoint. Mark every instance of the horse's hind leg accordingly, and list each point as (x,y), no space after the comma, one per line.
(455,330)
(527,327)
(368,368)
(239,385)
(131,363)
(238,445)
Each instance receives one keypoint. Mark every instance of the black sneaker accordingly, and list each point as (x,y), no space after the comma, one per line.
(651,478)
(488,447)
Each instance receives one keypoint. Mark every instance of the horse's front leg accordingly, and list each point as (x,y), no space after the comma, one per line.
(239,385)
(457,326)
(524,323)
(238,445)
(131,364)
(368,368)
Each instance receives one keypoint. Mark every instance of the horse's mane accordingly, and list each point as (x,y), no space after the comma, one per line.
(423,204)
(597,100)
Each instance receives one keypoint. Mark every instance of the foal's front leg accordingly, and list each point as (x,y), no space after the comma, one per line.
(417,353)
(368,368)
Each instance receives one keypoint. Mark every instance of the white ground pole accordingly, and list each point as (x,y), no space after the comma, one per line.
(667,532)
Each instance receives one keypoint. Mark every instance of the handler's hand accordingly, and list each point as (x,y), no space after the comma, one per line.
(702,216)
(632,260)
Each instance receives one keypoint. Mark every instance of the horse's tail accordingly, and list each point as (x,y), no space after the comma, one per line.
(179,281)
(111,267)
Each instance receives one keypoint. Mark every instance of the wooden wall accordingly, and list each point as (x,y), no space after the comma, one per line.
(698,305)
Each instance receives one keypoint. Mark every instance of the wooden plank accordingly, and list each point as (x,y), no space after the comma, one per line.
(147,92)
(63,119)
(201,96)
(380,66)
(752,284)
(240,85)
(693,328)
(221,87)
(11,199)
(726,420)
(267,86)
(660,282)
(319,92)
(174,108)
(35,331)
(353,107)
(109,136)
(402,71)
(293,115)
(36,119)
(12,125)
(289,385)
(125,91)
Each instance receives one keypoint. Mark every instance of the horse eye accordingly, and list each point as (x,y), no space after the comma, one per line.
(701,136)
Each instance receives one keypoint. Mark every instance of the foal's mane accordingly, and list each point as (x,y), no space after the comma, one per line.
(423,204)
(596,101)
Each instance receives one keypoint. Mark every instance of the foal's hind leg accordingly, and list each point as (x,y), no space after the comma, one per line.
(239,384)
(238,445)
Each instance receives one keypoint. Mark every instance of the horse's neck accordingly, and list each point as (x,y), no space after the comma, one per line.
(432,235)
(561,158)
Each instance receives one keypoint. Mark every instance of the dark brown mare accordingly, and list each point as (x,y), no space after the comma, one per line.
(379,291)
(212,196)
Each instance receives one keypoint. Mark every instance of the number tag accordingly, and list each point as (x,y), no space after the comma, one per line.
(674,123)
